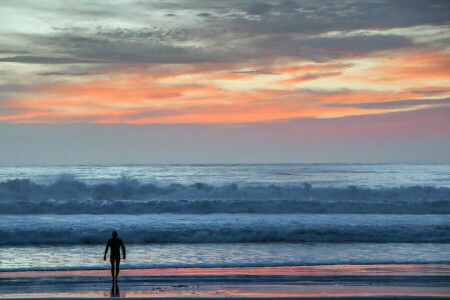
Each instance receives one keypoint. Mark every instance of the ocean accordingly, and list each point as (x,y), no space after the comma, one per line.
(243,215)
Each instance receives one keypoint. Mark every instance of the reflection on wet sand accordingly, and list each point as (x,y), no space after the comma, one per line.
(424,280)
(115,290)
(431,269)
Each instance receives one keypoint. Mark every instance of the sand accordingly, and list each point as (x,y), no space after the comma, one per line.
(409,281)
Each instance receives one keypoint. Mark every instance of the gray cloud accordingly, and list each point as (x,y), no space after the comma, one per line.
(64,73)
(393,104)
(204,14)
(9,90)
(96,48)
(12,87)
(159,34)
(311,76)
(12,51)
(430,92)
(307,16)
(262,72)
(44,60)
(240,30)
(365,43)
(258,8)
(9,111)
(327,48)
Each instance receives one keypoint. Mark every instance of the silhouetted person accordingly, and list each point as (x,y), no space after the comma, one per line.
(115,244)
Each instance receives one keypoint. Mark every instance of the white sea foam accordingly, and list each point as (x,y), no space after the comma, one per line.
(319,175)
(70,196)
(220,255)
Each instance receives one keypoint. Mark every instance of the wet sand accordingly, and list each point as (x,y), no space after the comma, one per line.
(410,281)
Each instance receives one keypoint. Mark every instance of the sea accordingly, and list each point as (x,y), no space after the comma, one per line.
(224,215)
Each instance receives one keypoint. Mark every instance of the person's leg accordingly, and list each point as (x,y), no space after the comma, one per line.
(117,266)
(112,260)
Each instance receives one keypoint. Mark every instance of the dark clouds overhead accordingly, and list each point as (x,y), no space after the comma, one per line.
(309,17)
(217,31)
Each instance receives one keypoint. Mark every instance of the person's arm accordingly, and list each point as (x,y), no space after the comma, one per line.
(124,253)
(106,250)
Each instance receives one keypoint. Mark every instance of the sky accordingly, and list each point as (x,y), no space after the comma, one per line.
(133,81)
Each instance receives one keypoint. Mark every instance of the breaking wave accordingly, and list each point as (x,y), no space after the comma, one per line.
(84,229)
(127,196)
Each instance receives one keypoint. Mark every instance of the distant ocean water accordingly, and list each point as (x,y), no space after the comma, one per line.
(224,215)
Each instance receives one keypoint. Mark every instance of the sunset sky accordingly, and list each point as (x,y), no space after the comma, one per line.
(224,81)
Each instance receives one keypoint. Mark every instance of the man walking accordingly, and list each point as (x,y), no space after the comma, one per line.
(115,244)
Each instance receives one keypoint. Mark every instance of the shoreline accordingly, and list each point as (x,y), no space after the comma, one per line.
(402,281)
(321,269)
(260,298)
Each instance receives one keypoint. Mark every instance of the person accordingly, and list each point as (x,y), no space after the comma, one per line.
(115,244)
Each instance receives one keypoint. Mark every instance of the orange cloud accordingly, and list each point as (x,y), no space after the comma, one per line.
(308,72)
(411,68)
(197,93)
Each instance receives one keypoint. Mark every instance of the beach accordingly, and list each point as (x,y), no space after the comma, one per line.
(221,231)
(395,280)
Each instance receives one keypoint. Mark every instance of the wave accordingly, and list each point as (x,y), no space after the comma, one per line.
(85,229)
(128,196)
(365,234)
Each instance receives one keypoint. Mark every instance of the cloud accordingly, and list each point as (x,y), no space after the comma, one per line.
(241,31)
(204,14)
(254,72)
(322,49)
(258,8)
(64,73)
(431,91)
(10,91)
(356,43)
(13,51)
(160,34)
(45,60)
(114,49)
(308,77)
(138,98)
(209,64)
(312,17)
(207,93)
(413,67)
(141,46)
(400,104)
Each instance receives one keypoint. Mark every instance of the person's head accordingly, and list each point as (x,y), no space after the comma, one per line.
(114,233)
